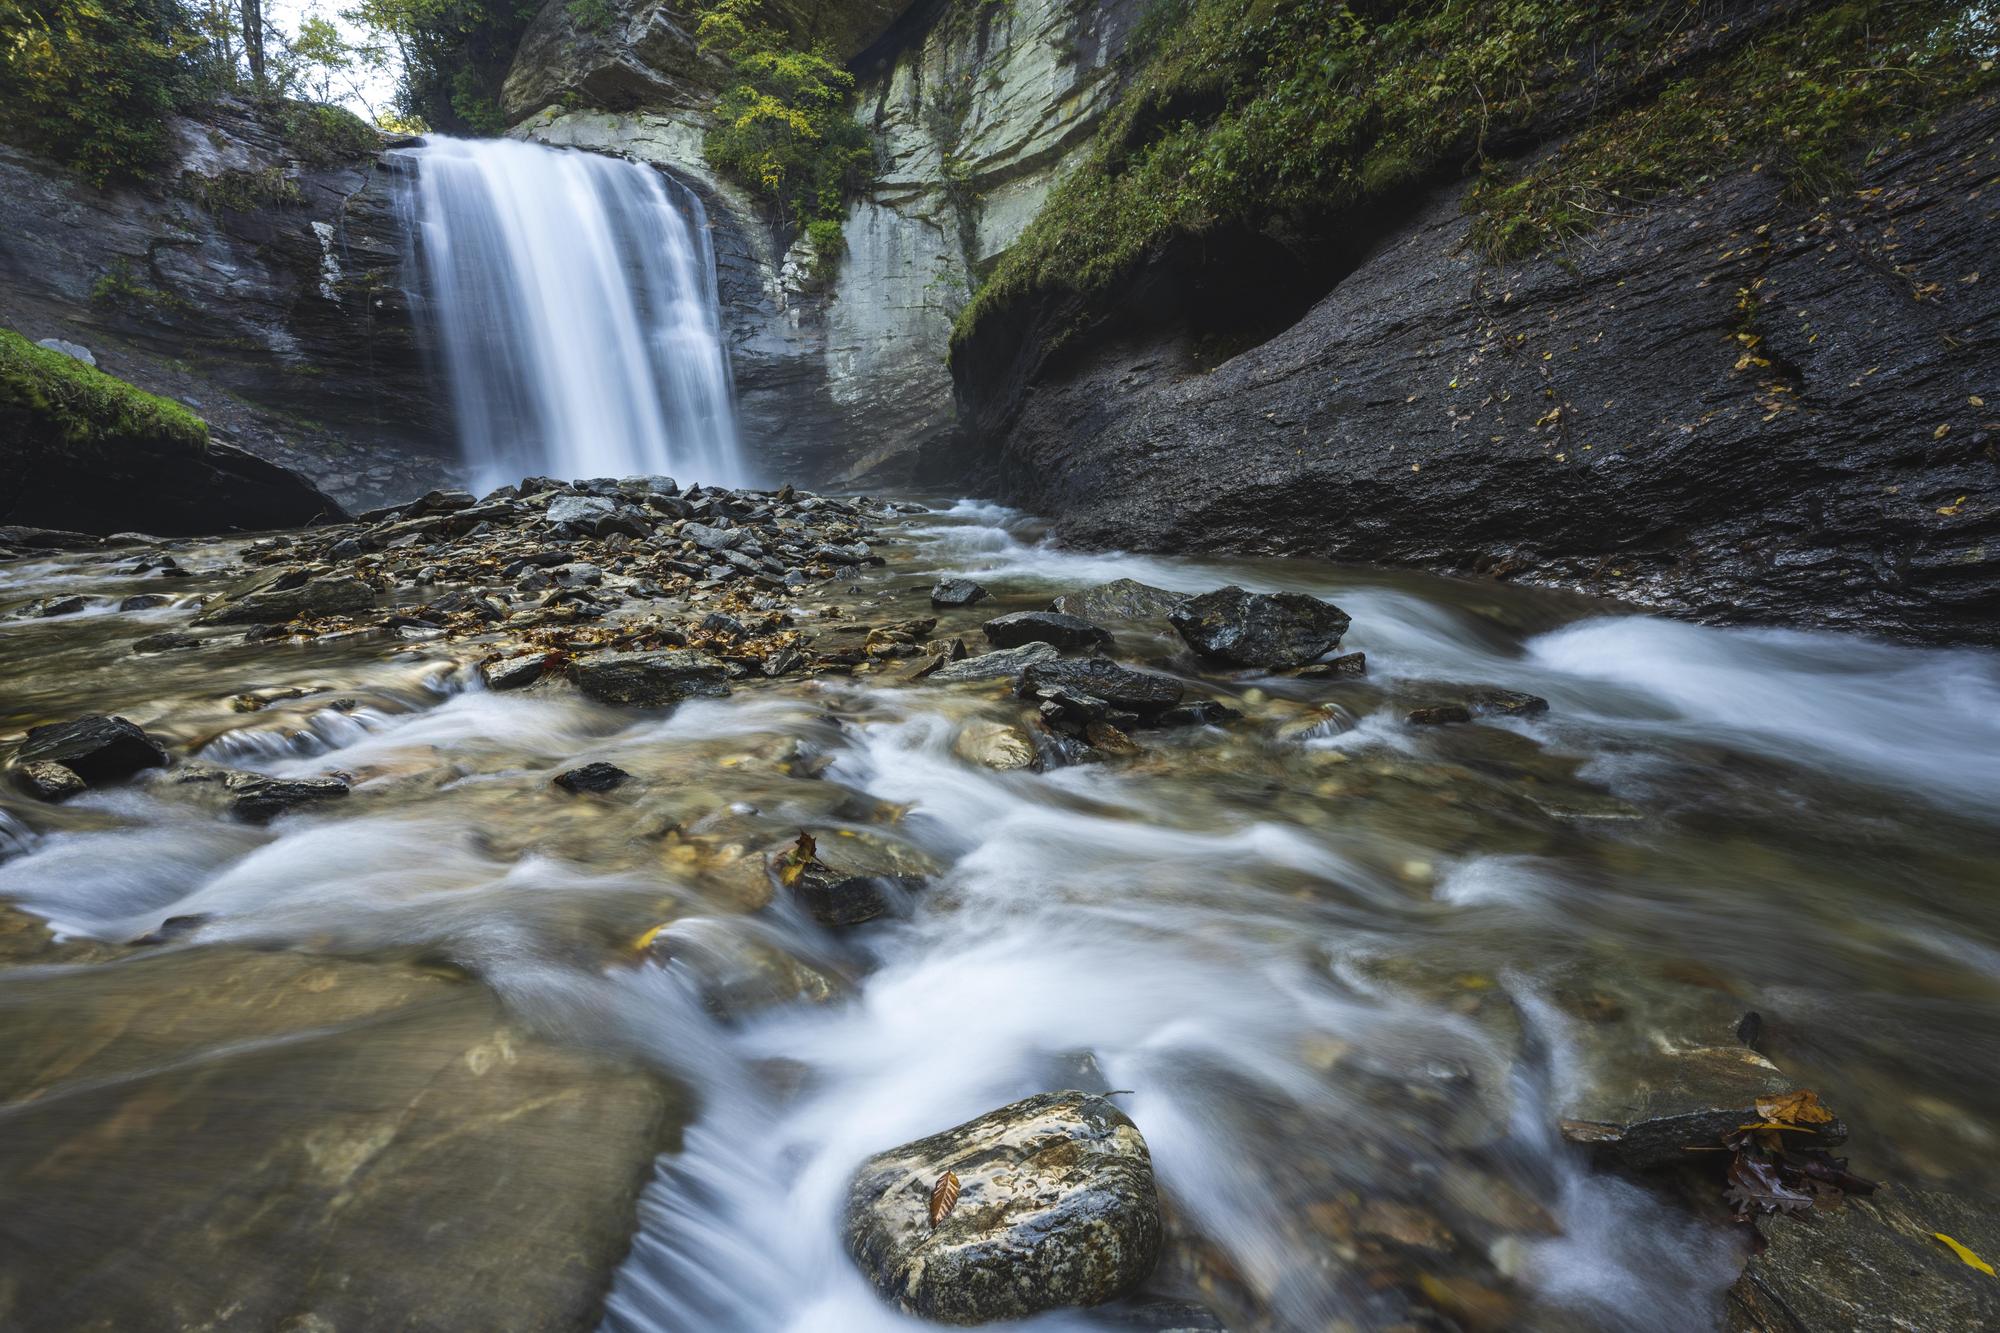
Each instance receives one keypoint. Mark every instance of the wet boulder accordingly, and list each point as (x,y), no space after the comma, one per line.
(1054,1206)
(1346,665)
(995,745)
(1067,632)
(1437,715)
(513,673)
(957,592)
(598,777)
(1278,629)
(329,595)
(165,643)
(1872,1263)
(98,749)
(1000,665)
(48,781)
(1146,693)
(650,679)
(256,798)
(1504,703)
(1651,1104)
(736,970)
(1120,599)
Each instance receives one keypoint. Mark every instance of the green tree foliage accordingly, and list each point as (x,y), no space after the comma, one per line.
(91,82)
(784,125)
(454,54)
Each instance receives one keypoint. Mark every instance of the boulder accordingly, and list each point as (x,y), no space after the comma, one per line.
(1660,1101)
(1197,713)
(1437,715)
(582,512)
(1277,629)
(256,798)
(1069,632)
(650,679)
(1055,1207)
(598,777)
(46,780)
(165,643)
(328,595)
(1120,599)
(144,601)
(736,970)
(97,748)
(996,745)
(1872,1263)
(995,666)
(1504,703)
(513,673)
(1347,664)
(957,592)
(1143,692)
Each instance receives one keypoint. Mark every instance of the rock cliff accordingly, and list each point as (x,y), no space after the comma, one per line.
(260,284)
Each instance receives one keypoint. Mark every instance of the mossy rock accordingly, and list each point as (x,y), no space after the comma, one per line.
(83,450)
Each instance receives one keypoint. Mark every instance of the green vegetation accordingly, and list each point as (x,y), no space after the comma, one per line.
(323,136)
(591,15)
(1297,113)
(783,127)
(241,191)
(120,287)
(455,55)
(91,82)
(50,398)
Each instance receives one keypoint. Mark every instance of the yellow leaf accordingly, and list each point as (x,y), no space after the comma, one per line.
(1940,432)
(1795,1108)
(1977,401)
(944,1197)
(1971,1260)
(647,938)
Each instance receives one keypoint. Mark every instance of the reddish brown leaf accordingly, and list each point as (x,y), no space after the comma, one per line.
(944,1197)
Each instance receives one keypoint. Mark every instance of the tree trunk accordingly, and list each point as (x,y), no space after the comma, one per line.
(253,40)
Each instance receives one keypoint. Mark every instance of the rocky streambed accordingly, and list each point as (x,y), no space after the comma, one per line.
(666,907)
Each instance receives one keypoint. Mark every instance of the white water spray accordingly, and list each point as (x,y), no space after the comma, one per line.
(571,300)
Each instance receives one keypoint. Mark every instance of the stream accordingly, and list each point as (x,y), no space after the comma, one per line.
(1346,974)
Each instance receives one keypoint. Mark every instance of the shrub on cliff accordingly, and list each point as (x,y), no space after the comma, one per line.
(782,126)
(48,399)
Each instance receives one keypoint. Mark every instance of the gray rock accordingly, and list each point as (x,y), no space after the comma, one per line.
(1119,686)
(1504,703)
(996,745)
(1120,599)
(144,601)
(256,797)
(957,592)
(98,749)
(46,780)
(1056,1207)
(514,673)
(650,679)
(1068,632)
(76,351)
(1651,1108)
(1874,1264)
(994,666)
(1280,629)
(714,539)
(329,595)
(584,512)
(1437,715)
(1345,666)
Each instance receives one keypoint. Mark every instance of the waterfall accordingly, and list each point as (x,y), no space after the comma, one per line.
(570,300)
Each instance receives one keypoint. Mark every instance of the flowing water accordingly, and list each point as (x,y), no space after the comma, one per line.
(570,301)
(1346,973)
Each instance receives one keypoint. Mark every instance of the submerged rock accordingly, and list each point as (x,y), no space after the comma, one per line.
(98,749)
(1279,629)
(737,971)
(997,665)
(1437,715)
(1504,703)
(1120,599)
(957,592)
(1872,1263)
(165,643)
(997,745)
(1020,627)
(1055,1207)
(650,680)
(596,777)
(1680,1097)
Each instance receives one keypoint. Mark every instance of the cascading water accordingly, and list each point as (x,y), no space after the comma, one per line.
(571,301)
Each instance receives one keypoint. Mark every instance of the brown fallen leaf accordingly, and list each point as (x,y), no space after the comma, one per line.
(944,1197)
(1794,1108)
(802,854)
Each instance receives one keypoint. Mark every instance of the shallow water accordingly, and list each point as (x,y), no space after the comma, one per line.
(1347,973)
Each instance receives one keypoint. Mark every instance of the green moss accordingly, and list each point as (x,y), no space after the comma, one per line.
(119,286)
(49,398)
(1261,112)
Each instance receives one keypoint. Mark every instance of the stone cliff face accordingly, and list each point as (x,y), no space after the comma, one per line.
(260,288)
(975,109)
(1727,405)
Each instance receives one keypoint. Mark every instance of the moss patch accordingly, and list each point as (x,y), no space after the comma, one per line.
(47,398)
(1295,114)
(326,136)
